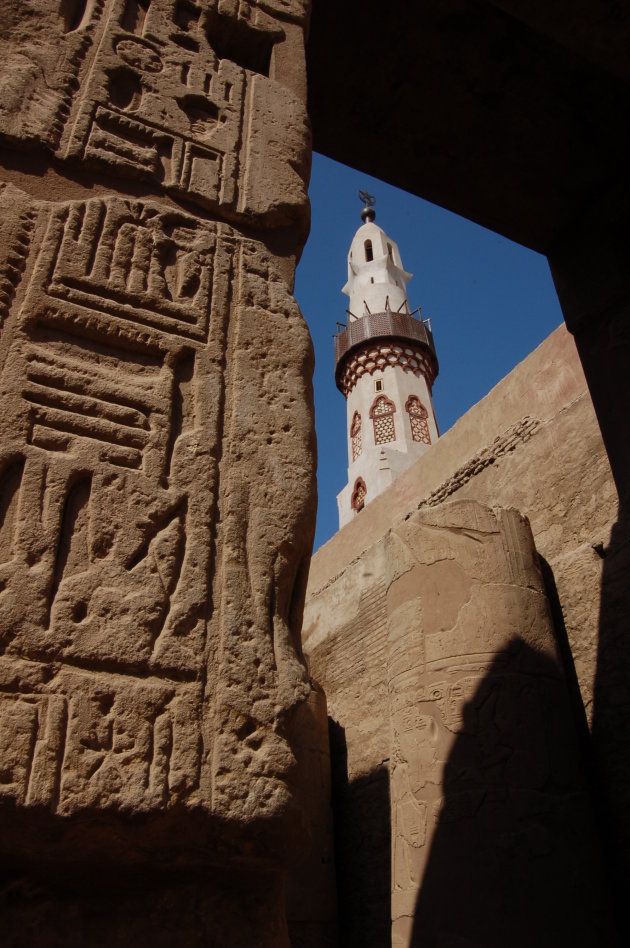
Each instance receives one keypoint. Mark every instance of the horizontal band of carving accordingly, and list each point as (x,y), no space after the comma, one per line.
(504,444)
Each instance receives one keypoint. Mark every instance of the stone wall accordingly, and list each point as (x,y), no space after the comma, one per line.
(532,443)
(157,495)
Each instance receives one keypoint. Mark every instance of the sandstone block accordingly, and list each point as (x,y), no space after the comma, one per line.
(200,100)
(490,806)
(157,492)
(147,661)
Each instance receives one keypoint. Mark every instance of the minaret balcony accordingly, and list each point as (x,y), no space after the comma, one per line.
(392,326)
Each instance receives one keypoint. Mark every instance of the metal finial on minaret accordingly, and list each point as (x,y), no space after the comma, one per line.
(368,213)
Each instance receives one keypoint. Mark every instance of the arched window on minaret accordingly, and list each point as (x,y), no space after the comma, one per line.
(382,414)
(369,253)
(355,434)
(358,495)
(418,416)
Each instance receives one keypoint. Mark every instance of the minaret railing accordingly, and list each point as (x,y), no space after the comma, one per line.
(402,326)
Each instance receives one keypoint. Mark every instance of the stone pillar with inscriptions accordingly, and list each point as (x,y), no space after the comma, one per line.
(493,835)
(156,467)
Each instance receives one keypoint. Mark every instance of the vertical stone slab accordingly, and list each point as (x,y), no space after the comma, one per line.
(157,491)
(492,836)
(591,277)
(310,891)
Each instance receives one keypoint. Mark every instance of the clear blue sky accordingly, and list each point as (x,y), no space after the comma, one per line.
(491,302)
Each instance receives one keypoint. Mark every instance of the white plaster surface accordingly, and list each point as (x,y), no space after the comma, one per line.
(372,284)
(379,465)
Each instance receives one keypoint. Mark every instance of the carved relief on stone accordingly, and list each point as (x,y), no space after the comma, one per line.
(43,46)
(199,98)
(486,785)
(150,588)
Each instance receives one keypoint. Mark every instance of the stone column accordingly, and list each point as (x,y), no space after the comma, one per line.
(492,834)
(157,491)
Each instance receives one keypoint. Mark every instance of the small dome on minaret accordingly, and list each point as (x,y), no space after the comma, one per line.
(377,280)
(368,213)
(385,365)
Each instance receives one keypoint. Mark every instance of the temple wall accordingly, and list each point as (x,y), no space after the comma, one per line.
(532,443)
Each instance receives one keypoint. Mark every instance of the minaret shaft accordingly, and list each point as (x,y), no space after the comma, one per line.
(385,367)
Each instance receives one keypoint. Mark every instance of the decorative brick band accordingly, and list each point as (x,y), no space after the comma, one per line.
(376,356)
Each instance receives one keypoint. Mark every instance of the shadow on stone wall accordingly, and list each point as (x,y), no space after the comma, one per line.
(100,907)
(611,717)
(514,858)
(568,666)
(361,814)
(606,747)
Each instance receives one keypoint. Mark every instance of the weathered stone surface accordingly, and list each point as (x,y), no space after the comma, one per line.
(454,727)
(192,98)
(128,390)
(532,442)
(485,770)
(157,492)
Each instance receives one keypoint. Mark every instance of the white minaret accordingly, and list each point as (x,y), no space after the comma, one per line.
(385,365)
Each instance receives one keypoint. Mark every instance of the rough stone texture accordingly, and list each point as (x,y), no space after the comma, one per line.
(157,493)
(177,94)
(533,442)
(311,895)
(486,784)
(128,389)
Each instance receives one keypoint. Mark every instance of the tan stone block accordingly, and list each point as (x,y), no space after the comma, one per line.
(144,378)
(483,746)
(157,491)
(202,100)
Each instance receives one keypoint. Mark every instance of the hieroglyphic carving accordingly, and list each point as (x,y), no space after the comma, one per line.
(94,505)
(32,739)
(94,740)
(43,46)
(174,91)
(114,384)
(157,491)
(129,259)
(15,235)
